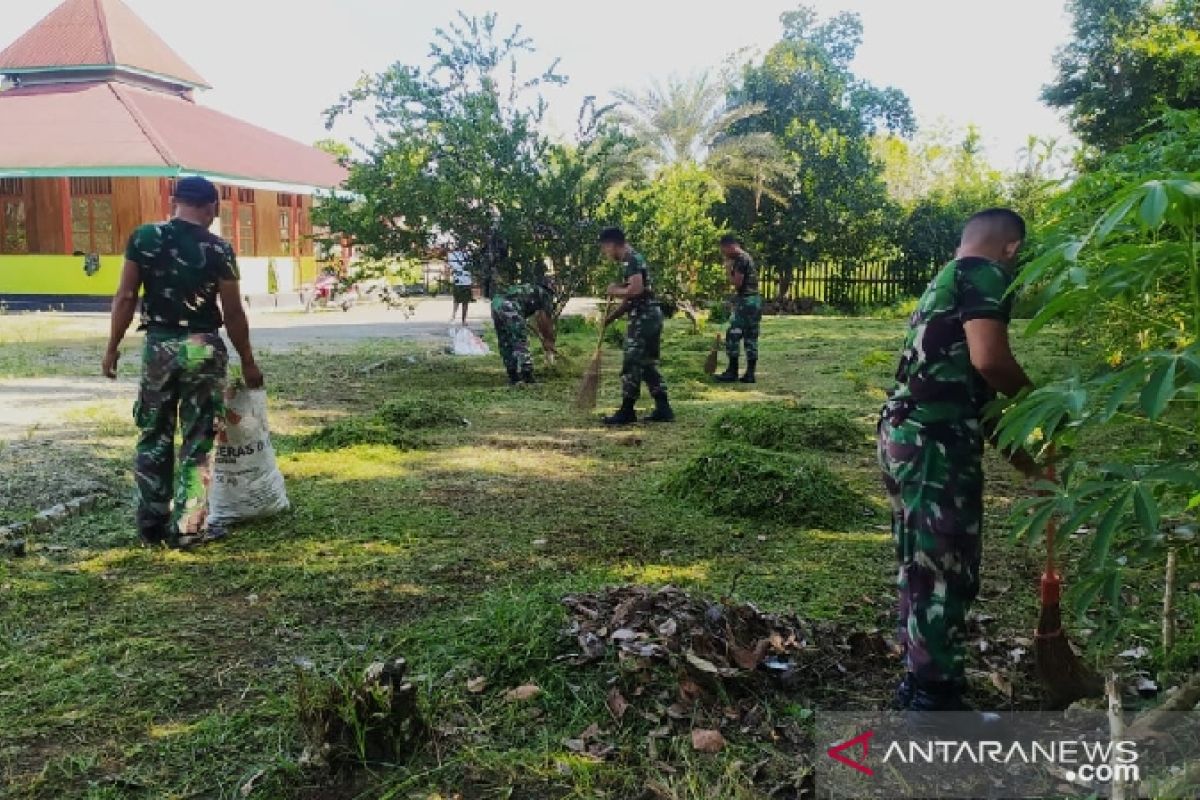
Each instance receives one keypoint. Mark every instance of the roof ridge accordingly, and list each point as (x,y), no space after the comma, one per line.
(105,36)
(140,120)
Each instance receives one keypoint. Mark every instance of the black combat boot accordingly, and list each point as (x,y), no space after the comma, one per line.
(904,692)
(730,375)
(625,415)
(513,377)
(937,708)
(527,376)
(751,364)
(662,410)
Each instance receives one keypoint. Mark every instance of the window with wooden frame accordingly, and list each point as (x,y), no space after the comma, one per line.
(245,239)
(287,220)
(92,216)
(14,234)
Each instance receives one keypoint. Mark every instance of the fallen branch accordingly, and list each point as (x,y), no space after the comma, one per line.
(1182,699)
(1116,732)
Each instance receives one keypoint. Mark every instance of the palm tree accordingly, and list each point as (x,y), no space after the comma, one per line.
(689,120)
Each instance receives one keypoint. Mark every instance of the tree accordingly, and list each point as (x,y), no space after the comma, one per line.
(458,152)
(670,219)
(336,148)
(1123,275)
(835,206)
(1129,61)
(689,121)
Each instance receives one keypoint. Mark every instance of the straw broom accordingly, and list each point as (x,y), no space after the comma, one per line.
(710,363)
(589,387)
(1064,676)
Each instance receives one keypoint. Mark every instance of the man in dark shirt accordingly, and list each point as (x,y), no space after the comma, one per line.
(746,319)
(181,270)
(956,358)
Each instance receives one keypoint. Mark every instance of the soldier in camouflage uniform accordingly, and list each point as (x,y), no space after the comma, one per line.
(510,308)
(931,438)
(643,336)
(181,269)
(746,319)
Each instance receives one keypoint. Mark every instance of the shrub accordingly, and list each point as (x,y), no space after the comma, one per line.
(733,479)
(789,427)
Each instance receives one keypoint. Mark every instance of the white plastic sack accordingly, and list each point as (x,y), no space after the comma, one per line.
(465,342)
(246,482)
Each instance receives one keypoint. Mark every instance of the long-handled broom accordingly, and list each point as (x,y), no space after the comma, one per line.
(590,385)
(710,363)
(1064,676)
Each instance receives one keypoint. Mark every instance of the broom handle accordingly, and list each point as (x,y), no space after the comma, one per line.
(603,327)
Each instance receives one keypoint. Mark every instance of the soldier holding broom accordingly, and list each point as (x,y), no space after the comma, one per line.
(511,307)
(746,319)
(955,360)
(643,337)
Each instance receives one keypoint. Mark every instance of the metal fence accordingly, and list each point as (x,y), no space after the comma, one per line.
(849,285)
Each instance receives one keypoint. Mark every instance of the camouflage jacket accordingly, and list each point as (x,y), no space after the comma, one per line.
(935,382)
(181,267)
(635,264)
(529,298)
(742,264)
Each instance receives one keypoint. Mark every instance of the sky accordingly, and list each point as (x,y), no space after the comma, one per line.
(280,63)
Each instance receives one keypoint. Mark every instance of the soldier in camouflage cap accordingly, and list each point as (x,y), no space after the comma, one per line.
(510,308)
(643,336)
(181,270)
(746,319)
(931,435)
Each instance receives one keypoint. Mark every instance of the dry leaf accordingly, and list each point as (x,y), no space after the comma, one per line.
(749,659)
(707,741)
(522,693)
(1003,684)
(617,704)
(476,685)
(574,745)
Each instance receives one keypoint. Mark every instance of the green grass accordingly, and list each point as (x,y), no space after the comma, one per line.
(127,673)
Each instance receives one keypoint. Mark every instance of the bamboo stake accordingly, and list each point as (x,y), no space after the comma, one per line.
(1168,608)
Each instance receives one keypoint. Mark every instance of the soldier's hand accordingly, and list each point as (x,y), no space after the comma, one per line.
(109,365)
(252,375)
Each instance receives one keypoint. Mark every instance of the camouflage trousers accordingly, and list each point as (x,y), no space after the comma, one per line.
(182,386)
(512,335)
(643,345)
(934,480)
(744,326)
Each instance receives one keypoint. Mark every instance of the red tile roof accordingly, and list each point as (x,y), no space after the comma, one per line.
(96,33)
(111,125)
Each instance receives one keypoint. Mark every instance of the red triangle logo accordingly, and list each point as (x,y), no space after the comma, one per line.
(863,743)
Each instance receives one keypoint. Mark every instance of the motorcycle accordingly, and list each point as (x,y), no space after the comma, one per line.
(328,290)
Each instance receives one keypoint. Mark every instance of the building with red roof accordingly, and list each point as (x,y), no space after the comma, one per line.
(99,118)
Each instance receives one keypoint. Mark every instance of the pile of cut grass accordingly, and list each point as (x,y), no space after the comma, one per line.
(789,427)
(404,424)
(738,480)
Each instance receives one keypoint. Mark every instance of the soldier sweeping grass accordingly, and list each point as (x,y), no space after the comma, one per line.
(510,308)
(182,270)
(746,320)
(955,360)
(643,336)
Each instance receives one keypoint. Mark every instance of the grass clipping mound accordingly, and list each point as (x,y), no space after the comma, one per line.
(789,427)
(399,423)
(749,482)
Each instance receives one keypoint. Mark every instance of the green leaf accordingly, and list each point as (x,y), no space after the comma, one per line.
(1154,207)
(1114,217)
(1146,509)
(1160,389)
(1130,379)
(1107,529)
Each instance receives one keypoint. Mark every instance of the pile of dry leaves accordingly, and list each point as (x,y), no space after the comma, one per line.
(706,668)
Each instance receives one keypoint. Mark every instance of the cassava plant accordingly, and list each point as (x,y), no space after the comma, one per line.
(1126,428)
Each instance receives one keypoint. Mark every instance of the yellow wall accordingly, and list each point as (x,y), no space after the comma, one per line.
(58,275)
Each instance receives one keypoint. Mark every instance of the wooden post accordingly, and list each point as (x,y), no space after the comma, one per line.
(1168,606)
(64,189)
